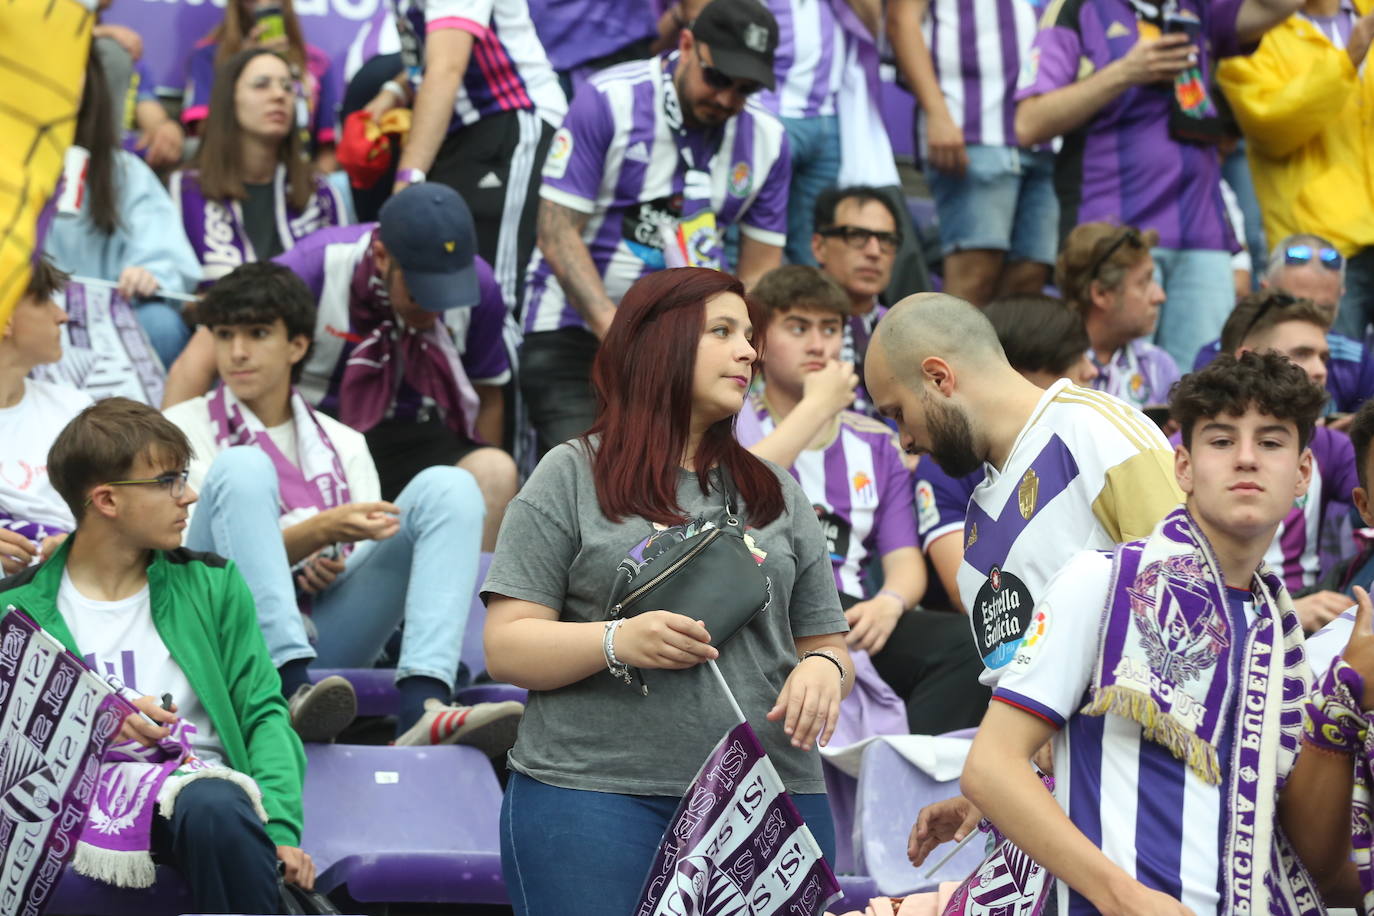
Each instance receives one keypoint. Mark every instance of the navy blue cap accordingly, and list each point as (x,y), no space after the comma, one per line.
(427,229)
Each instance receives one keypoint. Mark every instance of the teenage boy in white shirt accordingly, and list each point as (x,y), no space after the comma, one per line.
(266,461)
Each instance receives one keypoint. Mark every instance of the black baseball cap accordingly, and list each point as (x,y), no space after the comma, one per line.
(742,36)
(427,229)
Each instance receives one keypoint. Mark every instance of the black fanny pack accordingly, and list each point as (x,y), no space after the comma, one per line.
(711,576)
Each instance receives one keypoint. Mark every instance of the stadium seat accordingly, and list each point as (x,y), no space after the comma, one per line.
(404,824)
(892,790)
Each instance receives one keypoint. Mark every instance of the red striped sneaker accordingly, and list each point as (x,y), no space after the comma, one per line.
(489,727)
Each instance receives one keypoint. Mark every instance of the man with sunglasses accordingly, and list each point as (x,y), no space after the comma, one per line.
(1304,100)
(653,161)
(1125,83)
(1309,267)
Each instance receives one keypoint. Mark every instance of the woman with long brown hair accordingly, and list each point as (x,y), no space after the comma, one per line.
(251,193)
(600,758)
(270,25)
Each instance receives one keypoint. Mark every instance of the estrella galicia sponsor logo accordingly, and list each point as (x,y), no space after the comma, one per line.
(1001,615)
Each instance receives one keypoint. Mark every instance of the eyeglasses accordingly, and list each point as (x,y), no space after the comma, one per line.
(287,84)
(173,481)
(1275,299)
(720,82)
(1298,255)
(857,237)
(1128,234)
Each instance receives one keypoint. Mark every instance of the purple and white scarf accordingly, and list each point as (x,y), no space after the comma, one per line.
(136,783)
(1168,647)
(105,351)
(318,483)
(389,354)
(216,230)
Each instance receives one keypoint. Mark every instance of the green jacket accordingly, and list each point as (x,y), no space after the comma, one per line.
(205,615)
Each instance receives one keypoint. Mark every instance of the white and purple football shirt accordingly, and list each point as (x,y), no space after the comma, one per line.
(1123,166)
(809,60)
(860,489)
(616,159)
(508,70)
(1295,553)
(327,261)
(977,48)
(1140,373)
(1130,796)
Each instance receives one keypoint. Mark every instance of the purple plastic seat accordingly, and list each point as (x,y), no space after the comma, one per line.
(857,891)
(78,894)
(892,791)
(404,824)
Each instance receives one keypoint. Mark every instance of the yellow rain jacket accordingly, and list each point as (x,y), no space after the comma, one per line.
(1308,119)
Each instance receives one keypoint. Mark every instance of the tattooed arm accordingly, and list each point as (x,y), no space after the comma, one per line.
(561,244)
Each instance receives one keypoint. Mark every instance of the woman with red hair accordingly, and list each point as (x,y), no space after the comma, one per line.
(597,757)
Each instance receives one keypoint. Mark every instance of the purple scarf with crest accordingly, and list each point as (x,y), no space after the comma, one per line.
(390,354)
(216,230)
(1168,653)
(135,783)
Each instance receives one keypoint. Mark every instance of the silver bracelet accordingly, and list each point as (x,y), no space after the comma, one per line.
(614,665)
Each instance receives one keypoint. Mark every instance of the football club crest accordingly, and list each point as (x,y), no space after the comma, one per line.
(1028,493)
(741,179)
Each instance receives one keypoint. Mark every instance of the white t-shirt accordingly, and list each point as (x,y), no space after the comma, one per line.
(193,418)
(119,638)
(1325,645)
(1086,472)
(27,431)
(1131,797)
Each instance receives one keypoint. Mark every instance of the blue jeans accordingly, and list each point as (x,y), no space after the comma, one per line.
(166,330)
(1235,169)
(1199,294)
(425,574)
(815,145)
(1004,202)
(215,839)
(575,852)
(1357,305)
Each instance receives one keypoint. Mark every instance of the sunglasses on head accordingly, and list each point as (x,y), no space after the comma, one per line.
(1276,299)
(1128,234)
(720,82)
(1329,258)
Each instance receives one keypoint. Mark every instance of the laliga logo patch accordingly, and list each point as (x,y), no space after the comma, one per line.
(560,151)
(1034,638)
(927,514)
(741,179)
(1001,617)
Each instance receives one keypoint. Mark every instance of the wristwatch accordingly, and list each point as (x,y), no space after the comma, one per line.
(410,176)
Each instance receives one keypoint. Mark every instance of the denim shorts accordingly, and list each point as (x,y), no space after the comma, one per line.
(1004,202)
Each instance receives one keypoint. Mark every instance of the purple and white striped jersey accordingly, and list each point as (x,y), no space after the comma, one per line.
(1296,551)
(977,47)
(616,159)
(809,61)
(858,331)
(1123,166)
(1131,797)
(327,261)
(508,70)
(1336,28)
(577,32)
(860,489)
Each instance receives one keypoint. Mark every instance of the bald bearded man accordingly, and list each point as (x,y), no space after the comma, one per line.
(1065,469)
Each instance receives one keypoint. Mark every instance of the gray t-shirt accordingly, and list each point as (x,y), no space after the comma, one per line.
(557,549)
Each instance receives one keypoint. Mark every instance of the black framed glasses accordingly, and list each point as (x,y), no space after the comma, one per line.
(173,481)
(1274,299)
(857,237)
(1128,234)
(720,81)
(1297,255)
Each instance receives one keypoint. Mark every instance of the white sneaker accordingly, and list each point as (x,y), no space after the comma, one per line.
(320,711)
(489,727)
